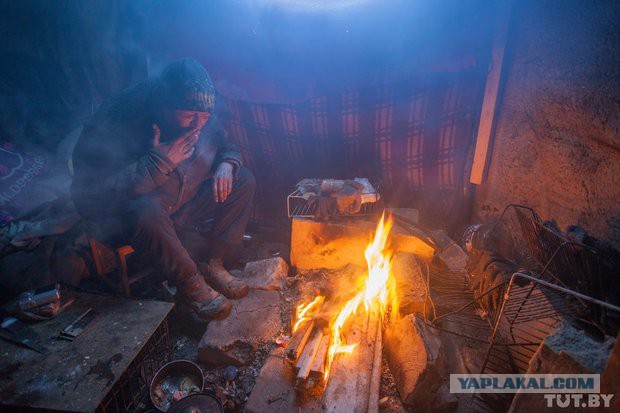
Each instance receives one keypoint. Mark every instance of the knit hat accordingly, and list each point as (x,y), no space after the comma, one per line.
(185,85)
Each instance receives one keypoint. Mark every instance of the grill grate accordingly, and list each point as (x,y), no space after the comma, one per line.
(299,207)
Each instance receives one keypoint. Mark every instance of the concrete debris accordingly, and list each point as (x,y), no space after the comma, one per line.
(409,283)
(414,354)
(610,379)
(450,253)
(266,274)
(273,390)
(565,351)
(255,319)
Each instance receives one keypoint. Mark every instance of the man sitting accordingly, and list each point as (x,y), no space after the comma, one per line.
(153,162)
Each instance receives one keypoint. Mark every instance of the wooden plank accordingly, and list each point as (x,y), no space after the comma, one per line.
(296,346)
(354,381)
(348,386)
(491,92)
(375,378)
(307,356)
(317,370)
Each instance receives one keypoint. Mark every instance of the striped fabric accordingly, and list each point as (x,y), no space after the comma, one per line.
(413,137)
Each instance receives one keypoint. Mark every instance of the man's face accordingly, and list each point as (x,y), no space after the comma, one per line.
(178,121)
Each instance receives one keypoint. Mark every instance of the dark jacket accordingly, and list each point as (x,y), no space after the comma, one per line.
(114,161)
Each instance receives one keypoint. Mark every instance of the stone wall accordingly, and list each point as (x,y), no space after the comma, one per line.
(557,140)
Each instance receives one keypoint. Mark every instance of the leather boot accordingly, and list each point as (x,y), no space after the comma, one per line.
(221,280)
(200,301)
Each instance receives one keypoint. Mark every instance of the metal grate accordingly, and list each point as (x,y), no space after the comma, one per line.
(298,207)
(456,311)
(529,306)
(530,309)
(537,246)
(130,393)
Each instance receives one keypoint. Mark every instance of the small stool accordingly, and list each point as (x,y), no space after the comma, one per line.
(110,260)
(107,260)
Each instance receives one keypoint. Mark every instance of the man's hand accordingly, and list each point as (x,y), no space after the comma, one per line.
(180,148)
(222,182)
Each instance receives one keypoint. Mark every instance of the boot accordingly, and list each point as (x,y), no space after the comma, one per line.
(200,301)
(223,281)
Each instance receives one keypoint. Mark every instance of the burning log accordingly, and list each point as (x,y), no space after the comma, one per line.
(296,346)
(311,366)
(306,360)
(375,378)
(317,370)
(355,377)
(346,356)
(302,327)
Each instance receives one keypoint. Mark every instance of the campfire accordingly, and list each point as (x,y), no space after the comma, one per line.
(322,325)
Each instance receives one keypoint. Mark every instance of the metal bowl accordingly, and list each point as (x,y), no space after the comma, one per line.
(203,403)
(175,381)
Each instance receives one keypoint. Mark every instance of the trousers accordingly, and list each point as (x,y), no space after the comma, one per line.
(158,235)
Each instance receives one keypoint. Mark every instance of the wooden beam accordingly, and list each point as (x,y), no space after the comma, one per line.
(296,346)
(317,369)
(349,387)
(307,356)
(375,377)
(482,153)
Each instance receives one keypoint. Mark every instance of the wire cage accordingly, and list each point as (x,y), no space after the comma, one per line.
(560,281)
(540,248)
(131,391)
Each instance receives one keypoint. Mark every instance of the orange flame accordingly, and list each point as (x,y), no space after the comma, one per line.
(379,291)
(304,312)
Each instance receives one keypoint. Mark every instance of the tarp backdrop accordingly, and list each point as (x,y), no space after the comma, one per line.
(412,137)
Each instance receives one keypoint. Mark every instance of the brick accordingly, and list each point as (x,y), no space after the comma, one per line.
(266,274)
(254,319)
(337,243)
(450,253)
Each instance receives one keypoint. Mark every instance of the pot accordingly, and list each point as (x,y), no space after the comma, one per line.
(175,381)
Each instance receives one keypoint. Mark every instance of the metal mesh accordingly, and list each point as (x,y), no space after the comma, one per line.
(460,313)
(540,248)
